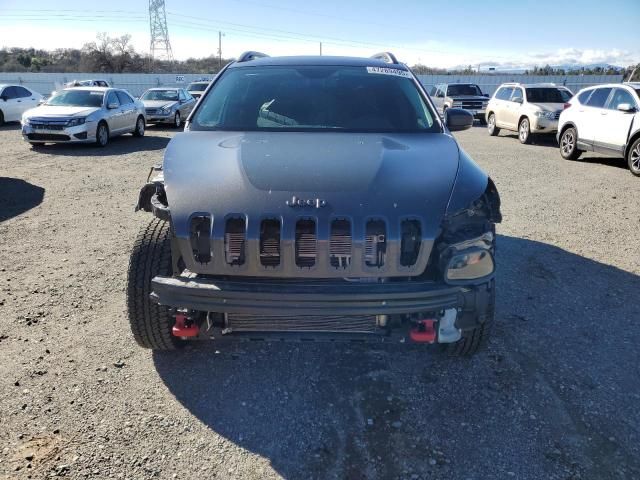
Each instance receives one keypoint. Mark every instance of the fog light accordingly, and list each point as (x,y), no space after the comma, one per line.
(469,264)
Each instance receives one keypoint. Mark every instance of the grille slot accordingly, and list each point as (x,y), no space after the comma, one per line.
(410,242)
(200,238)
(375,245)
(340,244)
(234,241)
(311,323)
(270,243)
(305,243)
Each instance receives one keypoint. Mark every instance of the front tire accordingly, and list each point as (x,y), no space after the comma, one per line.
(524,131)
(1,118)
(475,339)
(633,158)
(569,144)
(177,120)
(150,323)
(140,125)
(102,135)
(491,125)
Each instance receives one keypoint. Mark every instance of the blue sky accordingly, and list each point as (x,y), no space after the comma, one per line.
(443,34)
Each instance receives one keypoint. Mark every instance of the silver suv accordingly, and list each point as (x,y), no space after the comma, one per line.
(526,109)
(460,95)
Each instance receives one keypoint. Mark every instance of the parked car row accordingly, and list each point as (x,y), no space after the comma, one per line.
(603,119)
(92,113)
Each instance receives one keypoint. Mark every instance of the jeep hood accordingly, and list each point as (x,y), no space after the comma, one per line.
(358,176)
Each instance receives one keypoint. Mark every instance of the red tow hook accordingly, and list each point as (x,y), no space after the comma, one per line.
(423,332)
(180,329)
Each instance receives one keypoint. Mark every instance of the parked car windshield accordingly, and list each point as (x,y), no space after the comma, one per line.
(455,90)
(544,95)
(168,95)
(317,98)
(77,98)
(197,87)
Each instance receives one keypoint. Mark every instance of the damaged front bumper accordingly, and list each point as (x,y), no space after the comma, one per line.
(395,308)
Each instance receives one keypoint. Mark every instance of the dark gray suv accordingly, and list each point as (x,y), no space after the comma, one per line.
(316,198)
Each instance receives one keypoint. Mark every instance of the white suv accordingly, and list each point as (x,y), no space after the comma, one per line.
(526,109)
(603,119)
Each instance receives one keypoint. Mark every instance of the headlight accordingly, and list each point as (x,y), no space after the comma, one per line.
(470,264)
(166,109)
(547,115)
(74,122)
(25,121)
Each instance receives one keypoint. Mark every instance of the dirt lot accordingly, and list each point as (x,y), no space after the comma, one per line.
(555,395)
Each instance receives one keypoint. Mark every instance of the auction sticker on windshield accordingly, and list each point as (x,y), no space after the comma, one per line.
(389,71)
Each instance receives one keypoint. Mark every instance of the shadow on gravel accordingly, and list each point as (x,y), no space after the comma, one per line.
(121,145)
(606,161)
(10,126)
(554,396)
(539,140)
(18,196)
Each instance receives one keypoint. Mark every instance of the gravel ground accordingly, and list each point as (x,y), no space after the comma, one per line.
(554,395)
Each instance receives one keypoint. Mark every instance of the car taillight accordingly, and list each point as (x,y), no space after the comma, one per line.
(566,105)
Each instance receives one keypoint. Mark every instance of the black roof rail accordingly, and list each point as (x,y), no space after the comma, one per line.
(251,55)
(387,57)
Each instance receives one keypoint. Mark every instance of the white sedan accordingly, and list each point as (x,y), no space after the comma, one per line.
(15,100)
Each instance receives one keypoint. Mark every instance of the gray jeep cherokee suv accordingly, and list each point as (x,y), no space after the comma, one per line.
(316,198)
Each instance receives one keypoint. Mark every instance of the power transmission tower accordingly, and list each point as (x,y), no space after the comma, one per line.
(160,46)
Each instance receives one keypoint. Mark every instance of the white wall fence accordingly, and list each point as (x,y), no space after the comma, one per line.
(490,83)
(136,83)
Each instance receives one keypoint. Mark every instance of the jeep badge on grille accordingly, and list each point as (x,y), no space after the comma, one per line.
(309,202)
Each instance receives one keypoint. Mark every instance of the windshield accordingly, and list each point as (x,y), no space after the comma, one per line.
(544,95)
(77,98)
(357,99)
(197,87)
(455,90)
(167,95)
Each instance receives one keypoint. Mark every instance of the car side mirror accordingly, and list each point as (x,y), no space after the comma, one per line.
(112,106)
(626,107)
(457,119)
(485,95)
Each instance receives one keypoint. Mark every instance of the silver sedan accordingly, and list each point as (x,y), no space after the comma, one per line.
(167,105)
(84,115)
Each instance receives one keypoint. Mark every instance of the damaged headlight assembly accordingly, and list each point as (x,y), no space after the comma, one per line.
(469,260)
(466,247)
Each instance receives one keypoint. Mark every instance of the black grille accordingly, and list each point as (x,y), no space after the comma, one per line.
(47,126)
(270,243)
(151,111)
(306,243)
(200,236)
(375,246)
(304,247)
(557,116)
(410,242)
(234,241)
(313,323)
(471,105)
(48,136)
(340,244)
